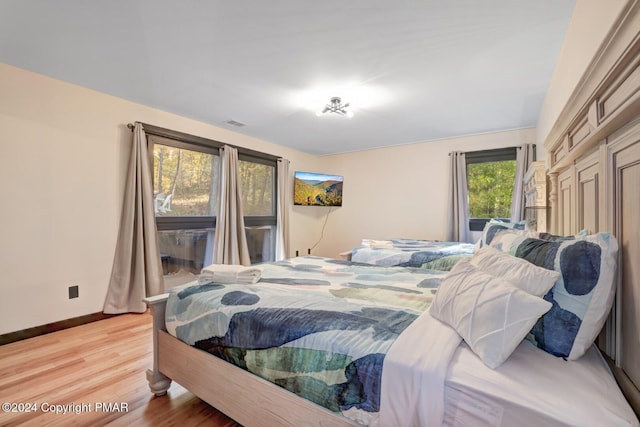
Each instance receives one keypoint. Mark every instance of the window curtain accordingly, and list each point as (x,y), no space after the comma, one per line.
(282,227)
(458,227)
(524,156)
(137,269)
(230,246)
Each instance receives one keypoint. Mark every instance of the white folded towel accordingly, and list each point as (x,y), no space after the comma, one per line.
(224,273)
(377,244)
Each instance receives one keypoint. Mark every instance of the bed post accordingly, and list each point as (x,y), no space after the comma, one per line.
(158,383)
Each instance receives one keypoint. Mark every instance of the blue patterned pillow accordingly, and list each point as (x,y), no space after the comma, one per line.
(520,225)
(508,231)
(493,228)
(583,295)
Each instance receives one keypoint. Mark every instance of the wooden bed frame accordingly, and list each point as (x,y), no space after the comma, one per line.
(593,165)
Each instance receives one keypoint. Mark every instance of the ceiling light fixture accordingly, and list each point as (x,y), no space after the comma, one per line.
(335,105)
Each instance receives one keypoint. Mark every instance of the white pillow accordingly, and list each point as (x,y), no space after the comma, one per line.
(491,315)
(520,273)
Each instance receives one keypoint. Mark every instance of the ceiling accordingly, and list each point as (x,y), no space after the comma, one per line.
(413,71)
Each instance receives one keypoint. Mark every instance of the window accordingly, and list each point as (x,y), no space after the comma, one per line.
(185,180)
(490,181)
(258,183)
(186,174)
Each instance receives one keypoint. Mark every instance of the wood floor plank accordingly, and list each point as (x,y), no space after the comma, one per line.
(97,373)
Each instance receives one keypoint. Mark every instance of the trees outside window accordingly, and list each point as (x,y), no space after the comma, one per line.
(490,183)
(186,176)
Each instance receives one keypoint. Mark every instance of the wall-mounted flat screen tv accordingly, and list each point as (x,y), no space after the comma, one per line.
(317,189)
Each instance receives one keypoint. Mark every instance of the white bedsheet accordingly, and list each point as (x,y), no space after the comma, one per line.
(452,387)
(413,377)
(534,388)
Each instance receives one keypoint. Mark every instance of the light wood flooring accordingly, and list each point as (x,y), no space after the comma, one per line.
(100,362)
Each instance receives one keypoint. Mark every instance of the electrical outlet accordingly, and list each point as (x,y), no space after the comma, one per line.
(73,291)
(309,251)
(297,253)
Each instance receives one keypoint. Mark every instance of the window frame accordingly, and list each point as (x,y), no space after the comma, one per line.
(486,156)
(195,143)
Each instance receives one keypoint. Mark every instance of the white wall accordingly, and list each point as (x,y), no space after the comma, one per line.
(399,191)
(590,23)
(63,155)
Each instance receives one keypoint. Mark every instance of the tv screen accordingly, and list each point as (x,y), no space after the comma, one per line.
(317,189)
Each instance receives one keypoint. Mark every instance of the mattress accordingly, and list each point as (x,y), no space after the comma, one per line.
(534,388)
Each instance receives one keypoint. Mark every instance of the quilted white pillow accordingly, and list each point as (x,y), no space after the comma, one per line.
(490,314)
(520,273)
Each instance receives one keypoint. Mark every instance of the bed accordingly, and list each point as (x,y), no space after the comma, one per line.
(389,308)
(430,254)
(317,327)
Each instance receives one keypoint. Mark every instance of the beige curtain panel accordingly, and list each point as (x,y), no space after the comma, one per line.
(282,236)
(458,227)
(137,269)
(230,242)
(524,158)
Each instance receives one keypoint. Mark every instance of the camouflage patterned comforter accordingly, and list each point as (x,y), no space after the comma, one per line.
(318,327)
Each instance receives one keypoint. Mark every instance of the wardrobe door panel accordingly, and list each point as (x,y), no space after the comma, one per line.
(625,199)
(588,179)
(629,180)
(565,197)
